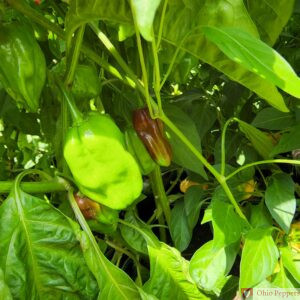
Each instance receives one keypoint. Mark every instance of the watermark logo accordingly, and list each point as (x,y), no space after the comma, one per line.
(247,293)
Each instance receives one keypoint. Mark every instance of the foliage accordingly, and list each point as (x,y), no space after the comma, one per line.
(218,151)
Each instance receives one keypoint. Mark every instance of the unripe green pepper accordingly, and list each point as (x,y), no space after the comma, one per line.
(86,84)
(137,149)
(22,64)
(95,152)
(152,135)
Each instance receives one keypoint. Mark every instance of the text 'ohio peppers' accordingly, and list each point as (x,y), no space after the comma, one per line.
(152,134)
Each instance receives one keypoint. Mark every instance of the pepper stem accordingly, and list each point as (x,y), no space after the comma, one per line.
(77,116)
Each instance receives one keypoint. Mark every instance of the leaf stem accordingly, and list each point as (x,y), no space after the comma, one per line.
(220,178)
(156,83)
(160,193)
(76,114)
(74,57)
(262,162)
(161,23)
(142,61)
(223,144)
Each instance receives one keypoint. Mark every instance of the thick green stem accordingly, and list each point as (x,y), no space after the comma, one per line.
(71,67)
(263,162)
(111,48)
(156,83)
(160,193)
(34,187)
(161,23)
(223,144)
(142,62)
(76,114)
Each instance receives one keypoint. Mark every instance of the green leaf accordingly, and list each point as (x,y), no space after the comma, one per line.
(84,11)
(270,17)
(4,289)
(113,282)
(145,12)
(192,205)
(289,263)
(259,140)
(209,265)
(207,217)
(289,141)
(272,119)
(280,199)
(182,155)
(257,57)
(132,237)
(259,216)
(40,255)
(259,257)
(169,267)
(282,281)
(227,224)
(179,228)
(185,33)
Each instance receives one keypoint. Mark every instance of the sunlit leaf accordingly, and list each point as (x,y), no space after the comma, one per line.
(255,56)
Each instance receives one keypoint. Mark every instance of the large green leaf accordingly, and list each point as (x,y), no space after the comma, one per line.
(209,265)
(182,29)
(145,12)
(259,257)
(256,57)
(182,155)
(270,17)
(272,119)
(280,199)
(84,11)
(39,253)
(169,268)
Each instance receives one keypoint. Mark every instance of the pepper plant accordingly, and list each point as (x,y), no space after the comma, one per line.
(148,149)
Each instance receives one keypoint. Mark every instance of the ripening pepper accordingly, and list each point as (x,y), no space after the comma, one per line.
(92,210)
(137,149)
(22,64)
(95,152)
(151,133)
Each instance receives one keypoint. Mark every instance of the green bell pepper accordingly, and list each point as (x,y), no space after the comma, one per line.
(95,152)
(22,64)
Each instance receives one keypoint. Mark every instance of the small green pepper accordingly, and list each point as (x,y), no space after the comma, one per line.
(22,64)
(86,83)
(95,152)
(137,149)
